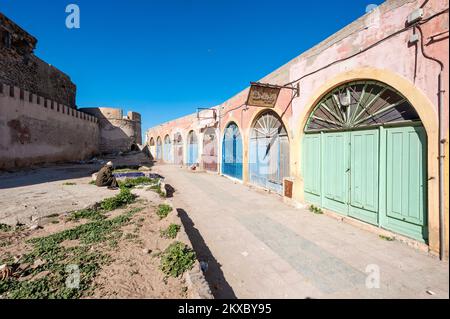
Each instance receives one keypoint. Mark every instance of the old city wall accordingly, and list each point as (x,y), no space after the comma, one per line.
(20,67)
(118,133)
(36,130)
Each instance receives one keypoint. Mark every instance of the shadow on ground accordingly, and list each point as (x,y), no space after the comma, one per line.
(214,275)
(39,174)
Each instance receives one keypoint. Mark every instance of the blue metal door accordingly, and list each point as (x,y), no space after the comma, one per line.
(269,152)
(232,152)
(167,150)
(192,155)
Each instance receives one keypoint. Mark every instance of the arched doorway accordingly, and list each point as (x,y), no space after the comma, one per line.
(152,147)
(209,156)
(167,150)
(192,149)
(158,149)
(269,152)
(232,152)
(365,156)
(178,149)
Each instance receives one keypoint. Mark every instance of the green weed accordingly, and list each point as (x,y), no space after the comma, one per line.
(315,210)
(5,228)
(177,259)
(125,197)
(171,231)
(387,238)
(91,214)
(163,210)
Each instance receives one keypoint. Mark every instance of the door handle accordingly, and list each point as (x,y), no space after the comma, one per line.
(348,170)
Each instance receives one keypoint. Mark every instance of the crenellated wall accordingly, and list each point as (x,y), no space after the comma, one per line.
(117,132)
(35,130)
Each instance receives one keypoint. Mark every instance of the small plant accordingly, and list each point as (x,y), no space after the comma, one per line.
(133,182)
(315,210)
(69,183)
(123,198)
(387,238)
(163,210)
(171,231)
(92,183)
(177,259)
(5,228)
(91,214)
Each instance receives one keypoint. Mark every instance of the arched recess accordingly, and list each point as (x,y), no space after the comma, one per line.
(152,147)
(192,149)
(268,151)
(158,148)
(364,155)
(232,151)
(178,149)
(167,149)
(210,150)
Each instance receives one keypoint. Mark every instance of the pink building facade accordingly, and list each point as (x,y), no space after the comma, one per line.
(366,138)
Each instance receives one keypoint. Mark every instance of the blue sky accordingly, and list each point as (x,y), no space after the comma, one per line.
(166,58)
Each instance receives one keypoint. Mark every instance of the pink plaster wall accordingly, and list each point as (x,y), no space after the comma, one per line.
(34,130)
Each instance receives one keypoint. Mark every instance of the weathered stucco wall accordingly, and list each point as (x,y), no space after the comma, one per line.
(376,46)
(20,67)
(117,132)
(35,130)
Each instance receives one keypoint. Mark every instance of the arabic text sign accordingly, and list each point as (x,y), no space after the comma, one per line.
(263,96)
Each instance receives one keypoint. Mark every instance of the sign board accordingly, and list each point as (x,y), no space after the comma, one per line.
(263,95)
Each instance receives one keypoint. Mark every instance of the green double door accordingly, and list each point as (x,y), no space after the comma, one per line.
(377,176)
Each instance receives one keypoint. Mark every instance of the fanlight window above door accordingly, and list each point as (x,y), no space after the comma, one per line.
(268,125)
(358,105)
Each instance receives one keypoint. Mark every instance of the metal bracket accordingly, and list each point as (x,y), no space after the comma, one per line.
(296,89)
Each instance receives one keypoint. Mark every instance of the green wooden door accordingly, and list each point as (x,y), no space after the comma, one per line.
(336,171)
(364,171)
(406,180)
(312,168)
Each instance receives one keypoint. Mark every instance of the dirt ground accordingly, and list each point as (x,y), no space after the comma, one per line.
(115,262)
(30,194)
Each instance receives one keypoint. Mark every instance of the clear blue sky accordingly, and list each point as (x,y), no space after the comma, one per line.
(166,58)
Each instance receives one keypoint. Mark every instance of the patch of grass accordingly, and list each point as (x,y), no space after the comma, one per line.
(163,210)
(171,231)
(92,183)
(177,259)
(315,210)
(133,182)
(5,228)
(55,221)
(91,214)
(125,197)
(387,238)
(69,183)
(56,259)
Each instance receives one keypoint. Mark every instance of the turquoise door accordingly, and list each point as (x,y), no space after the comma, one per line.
(406,179)
(364,156)
(336,167)
(312,168)
(377,176)
(364,168)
